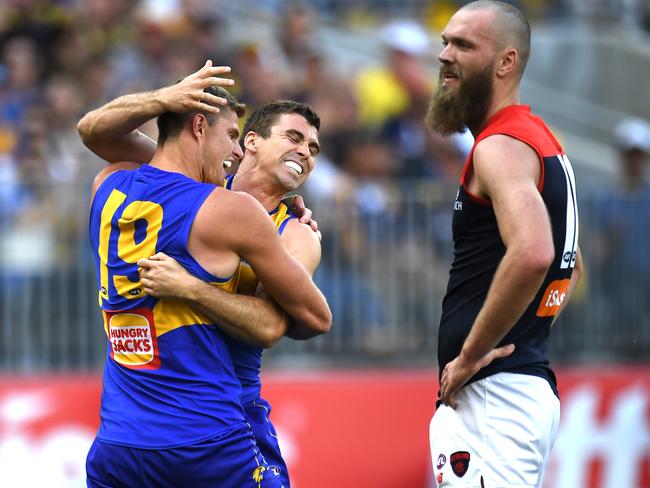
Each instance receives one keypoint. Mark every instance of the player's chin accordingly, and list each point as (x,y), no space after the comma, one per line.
(292,180)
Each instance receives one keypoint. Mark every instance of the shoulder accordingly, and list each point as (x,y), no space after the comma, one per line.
(303,244)
(502,152)
(109,170)
(295,232)
(503,145)
(237,204)
(233,213)
(500,161)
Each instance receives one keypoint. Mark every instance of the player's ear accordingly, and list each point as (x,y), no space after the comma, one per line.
(250,141)
(507,62)
(199,125)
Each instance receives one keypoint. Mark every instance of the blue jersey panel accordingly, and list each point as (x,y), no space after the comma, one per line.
(169,380)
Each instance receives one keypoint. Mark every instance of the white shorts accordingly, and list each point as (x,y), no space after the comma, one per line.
(500,435)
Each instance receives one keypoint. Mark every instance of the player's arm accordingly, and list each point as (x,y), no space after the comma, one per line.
(111,131)
(252,235)
(253,320)
(507,172)
(304,245)
(107,171)
(578,272)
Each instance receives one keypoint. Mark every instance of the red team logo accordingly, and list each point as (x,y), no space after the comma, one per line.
(459,463)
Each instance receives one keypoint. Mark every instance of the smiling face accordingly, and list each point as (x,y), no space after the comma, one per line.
(288,154)
(221,145)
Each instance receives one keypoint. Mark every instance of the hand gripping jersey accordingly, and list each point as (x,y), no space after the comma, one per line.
(169,380)
(247,359)
(478,249)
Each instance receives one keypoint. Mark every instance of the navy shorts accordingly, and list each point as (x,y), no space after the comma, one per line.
(257,414)
(227,461)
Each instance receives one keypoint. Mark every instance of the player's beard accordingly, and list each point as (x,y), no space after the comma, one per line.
(451,112)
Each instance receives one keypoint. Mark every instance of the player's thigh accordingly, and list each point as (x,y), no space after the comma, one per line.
(522,416)
(258,415)
(228,461)
(456,441)
(109,465)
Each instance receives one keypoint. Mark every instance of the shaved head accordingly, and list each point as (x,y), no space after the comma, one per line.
(510,28)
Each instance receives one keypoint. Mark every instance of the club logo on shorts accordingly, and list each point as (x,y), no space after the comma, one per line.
(459,463)
(442,460)
(439,478)
(258,474)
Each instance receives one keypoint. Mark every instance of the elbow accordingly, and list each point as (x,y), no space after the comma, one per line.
(84,128)
(270,339)
(315,324)
(274,333)
(537,260)
(323,324)
(543,261)
(328,321)
(311,322)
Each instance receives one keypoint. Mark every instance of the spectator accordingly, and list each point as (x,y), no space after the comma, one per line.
(389,90)
(622,223)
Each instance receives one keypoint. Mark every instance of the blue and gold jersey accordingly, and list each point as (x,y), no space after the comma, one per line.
(169,380)
(247,359)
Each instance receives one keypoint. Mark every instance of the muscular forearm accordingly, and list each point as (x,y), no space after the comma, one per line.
(111,131)
(250,319)
(120,117)
(513,288)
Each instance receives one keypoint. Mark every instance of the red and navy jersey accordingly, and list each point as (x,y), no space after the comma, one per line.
(478,249)
(169,380)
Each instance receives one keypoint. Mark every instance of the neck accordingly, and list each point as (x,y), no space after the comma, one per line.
(500,99)
(171,157)
(257,184)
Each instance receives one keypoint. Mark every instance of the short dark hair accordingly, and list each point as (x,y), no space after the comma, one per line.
(262,119)
(170,124)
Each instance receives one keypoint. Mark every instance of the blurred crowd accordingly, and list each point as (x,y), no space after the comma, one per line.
(383,183)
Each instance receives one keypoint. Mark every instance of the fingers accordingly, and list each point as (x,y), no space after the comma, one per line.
(448,387)
(501,352)
(147,287)
(305,218)
(314,225)
(211,74)
(447,395)
(209,99)
(147,263)
(298,202)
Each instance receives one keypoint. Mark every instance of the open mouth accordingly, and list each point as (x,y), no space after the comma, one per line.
(294,166)
(447,77)
(227,163)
